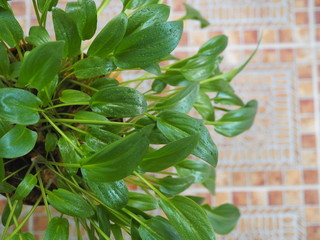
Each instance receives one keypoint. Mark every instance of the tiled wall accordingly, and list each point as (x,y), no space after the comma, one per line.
(272,171)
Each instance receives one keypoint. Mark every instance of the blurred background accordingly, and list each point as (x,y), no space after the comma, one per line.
(272,171)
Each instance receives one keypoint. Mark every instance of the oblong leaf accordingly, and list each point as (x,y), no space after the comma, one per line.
(142,201)
(7,211)
(25,187)
(145,47)
(46,5)
(169,155)
(188,218)
(41,65)
(4,63)
(198,68)
(175,125)
(38,35)
(19,106)
(11,31)
(17,142)
(192,13)
(118,102)
(70,203)
(204,107)
(73,96)
(2,171)
(214,46)
(173,186)
(109,37)
(119,159)
(58,229)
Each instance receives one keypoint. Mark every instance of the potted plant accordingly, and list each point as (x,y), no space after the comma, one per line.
(73,137)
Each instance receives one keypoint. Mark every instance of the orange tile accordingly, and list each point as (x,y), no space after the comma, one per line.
(318,34)
(307,124)
(197,38)
(239,179)
(293,197)
(40,223)
(302,18)
(177,5)
(305,89)
(19,8)
(221,198)
(269,56)
(293,177)
(275,178)
(250,36)
(285,35)
(301,3)
(311,197)
(223,178)
(309,158)
(240,198)
(184,39)
(286,55)
(304,71)
(310,176)
(312,214)
(258,198)
(308,141)
(233,37)
(313,232)
(317,16)
(257,178)
(306,106)
(269,36)
(275,198)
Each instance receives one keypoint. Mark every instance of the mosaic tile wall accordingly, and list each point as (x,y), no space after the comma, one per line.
(272,171)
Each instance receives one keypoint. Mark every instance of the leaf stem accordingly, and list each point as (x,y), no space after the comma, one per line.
(67,104)
(84,85)
(95,122)
(102,6)
(12,210)
(99,230)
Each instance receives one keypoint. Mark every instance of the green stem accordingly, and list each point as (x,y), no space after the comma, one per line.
(12,210)
(102,6)
(44,197)
(75,128)
(78,229)
(75,165)
(67,104)
(15,172)
(151,116)
(19,52)
(95,122)
(99,230)
(84,85)
(35,6)
(221,109)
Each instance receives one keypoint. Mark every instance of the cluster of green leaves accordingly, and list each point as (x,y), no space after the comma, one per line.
(98,134)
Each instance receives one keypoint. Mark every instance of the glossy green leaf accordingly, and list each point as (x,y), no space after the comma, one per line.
(111,102)
(46,5)
(119,159)
(158,228)
(134,230)
(4,4)
(17,142)
(98,138)
(169,155)
(145,47)
(148,16)
(204,107)
(2,171)
(103,221)
(158,85)
(218,85)
(6,212)
(24,236)
(68,152)
(15,68)
(199,170)
(51,142)
(223,218)
(92,116)
(41,65)
(11,31)
(25,187)
(153,68)
(93,67)
(174,186)
(142,201)
(175,125)
(192,13)
(109,37)
(132,4)
(102,83)
(38,35)
(58,229)
(214,46)
(48,91)
(228,99)
(237,121)
(6,187)
(116,231)
(66,30)
(155,137)
(198,68)
(4,127)
(113,194)
(182,101)
(188,218)
(84,14)
(70,203)
(74,96)
(4,63)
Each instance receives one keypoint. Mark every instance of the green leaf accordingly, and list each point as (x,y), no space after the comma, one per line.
(132,4)
(2,171)
(4,63)
(11,31)
(175,125)
(204,107)
(24,236)
(118,102)
(109,37)
(145,47)
(237,121)
(38,36)
(48,91)
(84,14)
(66,30)
(113,194)
(214,46)
(228,99)
(155,137)
(116,231)
(6,187)
(198,68)
(199,170)
(223,218)
(84,115)
(103,220)
(58,229)
(158,85)
(25,187)
(4,127)
(182,101)
(119,159)
(147,16)
(102,83)
(68,152)
(51,142)
(98,138)
(69,203)
(154,69)
(93,67)
(73,96)
(188,218)
(46,5)
(158,228)
(41,65)
(7,211)
(218,85)
(174,186)
(17,142)
(142,201)
(193,14)
(169,155)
